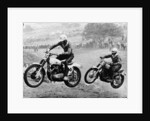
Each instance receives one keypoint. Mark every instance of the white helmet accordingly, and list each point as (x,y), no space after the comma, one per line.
(114,50)
(63,37)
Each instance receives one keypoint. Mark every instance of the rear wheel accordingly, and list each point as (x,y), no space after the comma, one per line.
(118,81)
(91,75)
(74,78)
(32,77)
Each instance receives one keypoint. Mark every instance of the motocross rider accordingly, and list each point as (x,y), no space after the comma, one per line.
(115,65)
(67,55)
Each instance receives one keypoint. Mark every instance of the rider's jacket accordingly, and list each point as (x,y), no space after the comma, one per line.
(65,45)
(115,58)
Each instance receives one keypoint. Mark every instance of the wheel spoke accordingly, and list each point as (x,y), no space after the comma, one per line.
(74,80)
(91,76)
(117,80)
(74,77)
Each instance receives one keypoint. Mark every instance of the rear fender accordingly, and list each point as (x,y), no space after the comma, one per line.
(120,72)
(36,63)
(123,73)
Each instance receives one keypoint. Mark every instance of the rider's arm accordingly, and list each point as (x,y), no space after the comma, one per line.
(55,45)
(68,52)
(118,60)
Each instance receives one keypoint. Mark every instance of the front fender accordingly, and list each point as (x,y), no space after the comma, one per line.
(36,63)
(121,71)
(75,65)
(94,67)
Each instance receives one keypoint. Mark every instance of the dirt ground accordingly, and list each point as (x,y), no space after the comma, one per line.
(99,89)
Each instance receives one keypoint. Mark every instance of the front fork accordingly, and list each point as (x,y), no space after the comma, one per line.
(42,63)
(98,67)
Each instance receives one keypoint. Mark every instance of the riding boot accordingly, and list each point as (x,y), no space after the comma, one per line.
(66,72)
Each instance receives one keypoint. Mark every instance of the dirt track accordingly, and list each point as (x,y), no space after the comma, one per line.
(99,89)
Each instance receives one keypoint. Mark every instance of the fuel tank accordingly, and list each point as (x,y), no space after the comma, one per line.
(55,61)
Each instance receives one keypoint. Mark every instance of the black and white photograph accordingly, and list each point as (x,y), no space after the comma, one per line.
(75,60)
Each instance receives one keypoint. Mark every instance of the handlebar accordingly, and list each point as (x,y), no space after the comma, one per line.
(102,60)
(48,52)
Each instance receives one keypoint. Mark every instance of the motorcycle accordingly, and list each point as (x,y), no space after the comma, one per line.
(102,71)
(35,73)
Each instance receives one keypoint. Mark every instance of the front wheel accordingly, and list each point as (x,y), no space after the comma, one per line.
(74,78)
(91,75)
(32,76)
(118,81)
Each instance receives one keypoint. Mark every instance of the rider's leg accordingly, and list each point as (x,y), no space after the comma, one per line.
(68,60)
(61,57)
(64,57)
(115,68)
(111,71)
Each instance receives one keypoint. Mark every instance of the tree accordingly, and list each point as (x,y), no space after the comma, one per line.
(101,30)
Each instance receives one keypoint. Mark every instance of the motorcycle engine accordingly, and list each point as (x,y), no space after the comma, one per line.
(55,69)
(105,73)
(56,73)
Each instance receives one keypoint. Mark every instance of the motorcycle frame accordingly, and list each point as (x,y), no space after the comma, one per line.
(99,68)
(44,61)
